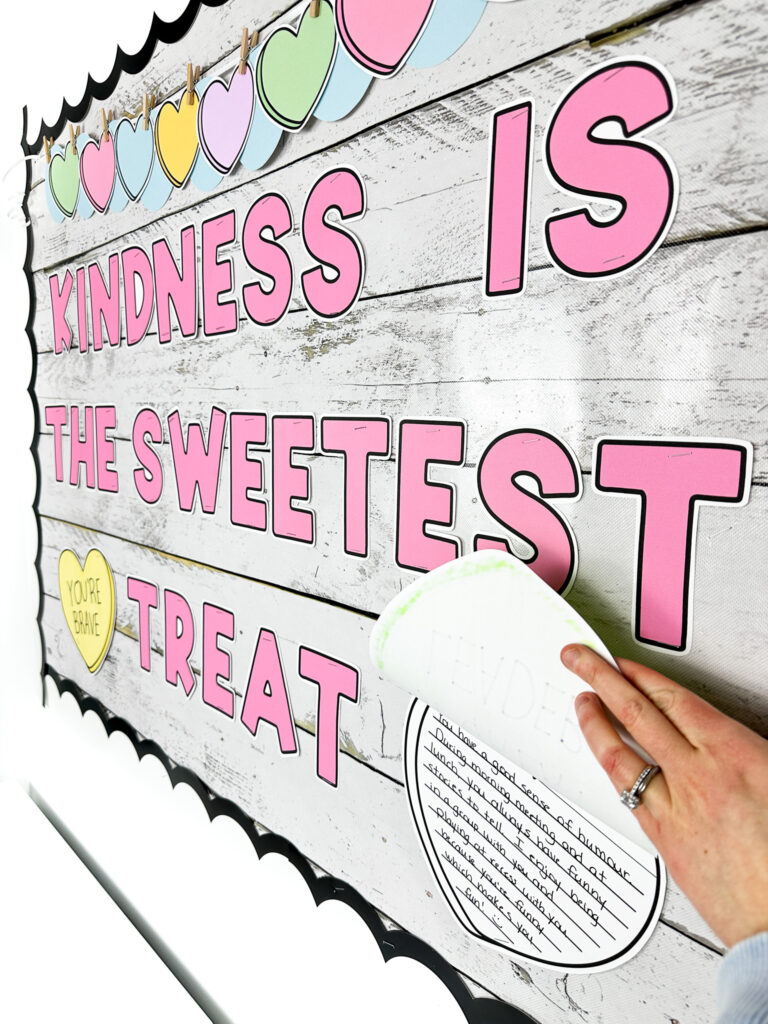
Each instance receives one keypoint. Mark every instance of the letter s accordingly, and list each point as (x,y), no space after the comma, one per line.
(636,175)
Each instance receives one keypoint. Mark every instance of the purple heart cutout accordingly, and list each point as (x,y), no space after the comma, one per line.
(224,119)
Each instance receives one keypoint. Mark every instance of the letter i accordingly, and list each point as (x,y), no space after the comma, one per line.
(82,316)
(509,191)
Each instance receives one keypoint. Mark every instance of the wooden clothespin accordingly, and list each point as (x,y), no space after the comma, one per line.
(190,85)
(254,38)
(104,129)
(110,115)
(47,148)
(197,74)
(244,48)
(314,8)
(73,139)
(145,123)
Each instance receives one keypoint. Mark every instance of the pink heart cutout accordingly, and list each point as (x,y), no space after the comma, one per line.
(97,171)
(379,36)
(224,119)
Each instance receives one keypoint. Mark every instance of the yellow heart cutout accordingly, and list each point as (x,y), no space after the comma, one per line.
(176,138)
(88,600)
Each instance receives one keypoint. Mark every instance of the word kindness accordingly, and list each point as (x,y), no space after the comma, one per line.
(158,285)
(672,479)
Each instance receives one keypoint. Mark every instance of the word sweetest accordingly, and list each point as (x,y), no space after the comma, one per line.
(197,287)
(517,476)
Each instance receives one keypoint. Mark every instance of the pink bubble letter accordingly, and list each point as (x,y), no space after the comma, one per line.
(635,174)
(334,680)
(357,441)
(178,641)
(246,474)
(333,294)
(289,434)
(508,200)
(176,287)
(420,502)
(195,465)
(540,455)
(145,595)
(267,307)
(672,479)
(266,696)
(217,622)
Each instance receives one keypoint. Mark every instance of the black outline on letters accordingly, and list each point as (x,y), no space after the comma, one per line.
(694,503)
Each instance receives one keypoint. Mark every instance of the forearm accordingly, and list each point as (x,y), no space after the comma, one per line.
(742,986)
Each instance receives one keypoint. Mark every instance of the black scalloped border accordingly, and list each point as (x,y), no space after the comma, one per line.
(132,63)
(391,943)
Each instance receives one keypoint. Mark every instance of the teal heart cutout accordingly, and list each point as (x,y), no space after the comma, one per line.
(293,67)
(64,179)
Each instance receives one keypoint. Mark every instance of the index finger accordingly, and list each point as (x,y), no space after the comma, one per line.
(639,715)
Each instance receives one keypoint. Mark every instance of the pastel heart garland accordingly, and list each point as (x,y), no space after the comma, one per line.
(379,36)
(97,170)
(293,68)
(87,596)
(64,180)
(134,154)
(292,74)
(224,118)
(176,139)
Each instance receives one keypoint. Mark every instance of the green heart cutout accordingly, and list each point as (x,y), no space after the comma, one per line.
(64,179)
(293,67)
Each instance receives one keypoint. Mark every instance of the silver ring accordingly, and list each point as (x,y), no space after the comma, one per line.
(631,797)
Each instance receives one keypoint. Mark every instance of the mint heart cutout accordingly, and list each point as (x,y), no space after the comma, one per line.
(64,180)
(293,67)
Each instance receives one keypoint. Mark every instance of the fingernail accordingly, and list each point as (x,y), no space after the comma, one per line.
(581,700)
(570,655)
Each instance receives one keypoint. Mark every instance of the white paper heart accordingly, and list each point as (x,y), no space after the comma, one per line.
(480,639)
(521,867)
(523,831)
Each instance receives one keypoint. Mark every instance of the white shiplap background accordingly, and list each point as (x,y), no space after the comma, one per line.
(674,348)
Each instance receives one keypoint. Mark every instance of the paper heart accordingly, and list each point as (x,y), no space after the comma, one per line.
(134,155)
(293,67)
(176,139)
(224,118)
(379,36)
(88,601)
(97,170)
(520,867)
(64,180)
(479,638)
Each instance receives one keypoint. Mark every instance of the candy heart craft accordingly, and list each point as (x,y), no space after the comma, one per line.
(176,139)
(87,595)
(293,68)
(379,36)
(224,118)
(97,170)
(134,155)
(64,179)
(522,829)
(479,638)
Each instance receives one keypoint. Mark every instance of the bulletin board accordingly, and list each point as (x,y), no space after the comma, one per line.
(327,296)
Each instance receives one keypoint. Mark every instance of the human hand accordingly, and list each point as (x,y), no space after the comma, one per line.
(707,810)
